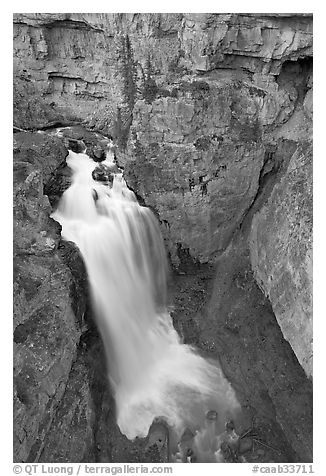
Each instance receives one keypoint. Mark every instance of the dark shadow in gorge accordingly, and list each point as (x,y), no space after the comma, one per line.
(220,309)
(229,318)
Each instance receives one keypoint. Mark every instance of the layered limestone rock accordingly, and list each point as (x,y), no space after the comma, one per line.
(281,253)
(75,67)
(257,43)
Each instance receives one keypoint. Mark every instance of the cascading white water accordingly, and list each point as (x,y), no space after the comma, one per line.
(152,373)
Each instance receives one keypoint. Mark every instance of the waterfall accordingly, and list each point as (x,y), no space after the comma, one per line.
(152,373)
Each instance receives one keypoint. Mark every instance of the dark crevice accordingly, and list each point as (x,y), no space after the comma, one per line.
(93,350)
(276,161)
(72,24)
(58,75)
(296,74)
(56,124)
(48,127)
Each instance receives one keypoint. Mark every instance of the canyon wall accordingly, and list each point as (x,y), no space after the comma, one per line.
(199,104)
(48,317)
(212,117)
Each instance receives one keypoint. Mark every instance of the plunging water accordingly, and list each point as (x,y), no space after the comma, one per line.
(152,373)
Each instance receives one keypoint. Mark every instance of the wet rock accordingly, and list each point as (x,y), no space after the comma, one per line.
(76,146)
(82,138)
(245,445)
(230,442)
(102,174)
(99,154)
(157,443)
(58,183)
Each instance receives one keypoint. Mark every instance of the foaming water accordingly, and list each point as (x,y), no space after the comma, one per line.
(152,373)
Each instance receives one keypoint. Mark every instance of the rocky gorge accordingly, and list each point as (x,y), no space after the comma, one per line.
(211,117)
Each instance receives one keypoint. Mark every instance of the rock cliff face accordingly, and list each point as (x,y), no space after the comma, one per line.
(47,318)
(212,117)
(281,253)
